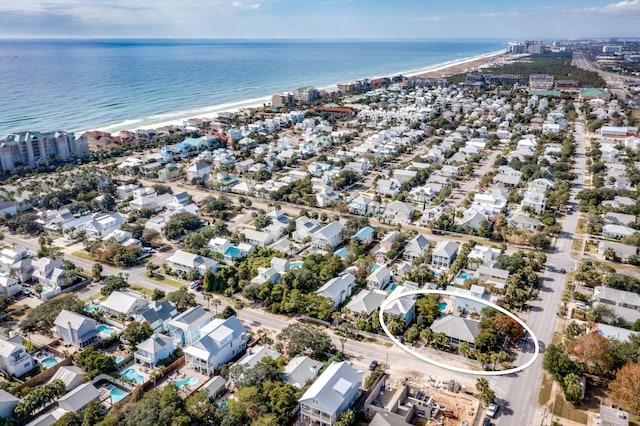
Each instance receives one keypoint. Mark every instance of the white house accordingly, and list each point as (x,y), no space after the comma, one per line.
(390,187)
(398,212)
(305,228)
(183,262)
(7,403)
(484,255)
(329,235)
(221,341)
(14,358)
(16,262)
(416,247)
(154,349)
(366,302)
(50,273)
(157,314)
(186,327)
(76,330)
(403,306)
(379,278)
(332,393)
(444,254)
(364,205)
(123,302)
(300,370)
(338,289)
(9,286)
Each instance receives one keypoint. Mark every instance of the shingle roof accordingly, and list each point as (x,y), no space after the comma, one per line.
(456,327)
(327,392)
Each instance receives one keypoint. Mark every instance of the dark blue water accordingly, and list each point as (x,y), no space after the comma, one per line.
(127,84)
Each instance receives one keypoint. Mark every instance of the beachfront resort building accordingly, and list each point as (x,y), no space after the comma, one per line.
(32,149)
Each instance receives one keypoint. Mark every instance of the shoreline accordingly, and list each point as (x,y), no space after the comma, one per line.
(441,70)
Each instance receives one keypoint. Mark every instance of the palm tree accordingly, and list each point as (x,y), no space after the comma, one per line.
(216,303)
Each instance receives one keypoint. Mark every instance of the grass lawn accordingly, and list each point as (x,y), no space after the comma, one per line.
(164,280)
(545,390)
(142,290)
(83,255)
(565,410)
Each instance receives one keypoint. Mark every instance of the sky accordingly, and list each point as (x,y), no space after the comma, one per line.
(319,19)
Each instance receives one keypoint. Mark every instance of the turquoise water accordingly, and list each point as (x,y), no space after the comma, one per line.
(132,374)
(393,286)
(92,308)
(119,359)
(105,329)
(233,252)
(374,267)
(117,394)
(436,274)
(464,276)
(131,84)
(49,362)
(295,265)
(442,306)
(189,381)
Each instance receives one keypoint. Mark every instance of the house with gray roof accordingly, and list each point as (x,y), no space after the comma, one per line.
(366,302)
(379,278)
(398,212)
(444,254)
(256,354)
(416,247)
(154,349)
(300,370)
(457,329)
(220,341)
(624,304)
(331,394)
(123,302)
(79,398)
(70,375)
(76,330)
(523,221)
(329,235)
(7,403)
(14,358)
(338,289)
(617,231)
(622,251)
(157,313)
(490,274)
(183,262)
(305,228)
(619,218)
(186,328)
(403,306)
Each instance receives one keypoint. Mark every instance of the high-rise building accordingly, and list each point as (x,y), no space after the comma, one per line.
(33,149)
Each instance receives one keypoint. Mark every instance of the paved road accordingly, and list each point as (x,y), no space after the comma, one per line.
(519,394)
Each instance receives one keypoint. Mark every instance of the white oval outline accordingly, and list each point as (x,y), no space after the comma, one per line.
(450,367)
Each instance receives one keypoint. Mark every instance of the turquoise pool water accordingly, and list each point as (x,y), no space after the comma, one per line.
(92,308)
(119,359)
(49,362)
(132,374)
(105,329)
(295,265)
(464,276)
(436,274)
(442,306)
(189,381)
(393,286)
(117,394)
(233,252)
(374,267)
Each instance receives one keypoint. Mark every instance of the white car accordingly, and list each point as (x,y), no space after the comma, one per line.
(492,409)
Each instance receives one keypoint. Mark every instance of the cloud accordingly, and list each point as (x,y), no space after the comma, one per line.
(248,6)
(620,8)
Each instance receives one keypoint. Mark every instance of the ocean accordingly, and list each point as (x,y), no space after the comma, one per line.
(111,85)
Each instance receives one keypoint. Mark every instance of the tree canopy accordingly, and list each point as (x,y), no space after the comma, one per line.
(43,316)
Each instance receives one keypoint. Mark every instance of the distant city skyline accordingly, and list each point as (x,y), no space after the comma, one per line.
(318,19)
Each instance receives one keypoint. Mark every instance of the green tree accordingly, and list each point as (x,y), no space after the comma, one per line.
(96,271)
(91,414)
(180,224)
(571,386)
(114,283)
(95,362)
(68,419)
(201,407)
(347,418)
(137,332)
(304,339)
(43,316)
(487,395)
(182,299)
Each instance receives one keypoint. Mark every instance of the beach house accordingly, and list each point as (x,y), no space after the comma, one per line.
(123,302)
(220,341)
(330,235)
(331,394)
(76,330)
(338,289)
(185,328)
(154,349)
(183,262)
(14,358)
(300,370)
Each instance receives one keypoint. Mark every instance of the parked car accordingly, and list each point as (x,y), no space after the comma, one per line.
(373,365)
(492,410)
(486,422)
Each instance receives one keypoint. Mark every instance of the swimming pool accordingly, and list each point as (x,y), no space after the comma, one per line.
(133,374)
(295,265)
(92,308)
(442,306)
(374,267)
(119,359)
(464,276)
(189,381)
(117,394)
(393,286)
(49,362)
(105,329)
(233,252)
